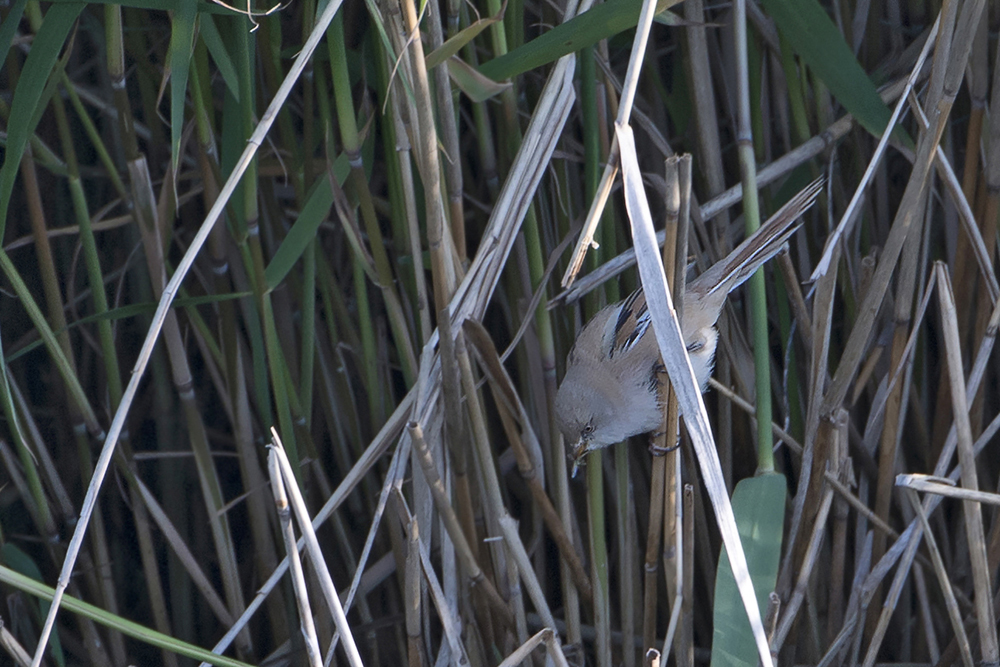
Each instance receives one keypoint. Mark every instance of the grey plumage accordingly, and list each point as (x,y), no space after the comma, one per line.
(611,389)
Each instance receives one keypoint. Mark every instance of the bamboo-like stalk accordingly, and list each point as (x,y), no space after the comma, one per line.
(971,177)
(183,384)
(665,475)
(235,352)
(751,215)
(352,147)
(710,166)
(598,558)
(449,139)
(987,223)
(895,411)
(401,122)
(844,473)
(439,239)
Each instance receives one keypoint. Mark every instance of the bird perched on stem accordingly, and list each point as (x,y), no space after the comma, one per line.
(611,389)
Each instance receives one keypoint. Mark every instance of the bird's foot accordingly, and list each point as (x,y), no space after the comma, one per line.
(659,450)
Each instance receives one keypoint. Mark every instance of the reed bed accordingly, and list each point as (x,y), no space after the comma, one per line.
(344,249)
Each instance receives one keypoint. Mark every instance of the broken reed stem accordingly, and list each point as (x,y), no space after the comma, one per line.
(295,562)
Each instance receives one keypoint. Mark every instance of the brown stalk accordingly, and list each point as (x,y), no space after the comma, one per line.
(441,502)
(414,644)
(895,413)
(972,510)
(456,433)
(684,652)
(954,615)
(665,466)
(845,476)
(439,239)
(988,226)
(512,414)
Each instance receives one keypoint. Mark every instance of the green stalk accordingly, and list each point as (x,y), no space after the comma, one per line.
(254,252)
(307,373)
(36,501)
(114,40)
(352,148)
(109,353)
(77,395)
(796,98)
(484,128)
(751,215)
(369,355)
(230,351)
(599,555)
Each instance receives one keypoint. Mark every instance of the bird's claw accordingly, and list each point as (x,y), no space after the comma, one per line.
(657,450)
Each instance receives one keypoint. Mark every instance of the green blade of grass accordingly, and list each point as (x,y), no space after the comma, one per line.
(9,26)
(125,312)
(813,36)
(34,76)
(600,22)
(181,48)
(454,44)
(209,34)
(125,626)
(22,563)
(304,229)
(759,506)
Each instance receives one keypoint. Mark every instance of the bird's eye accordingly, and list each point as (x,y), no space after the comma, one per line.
(695,346)
(587,430)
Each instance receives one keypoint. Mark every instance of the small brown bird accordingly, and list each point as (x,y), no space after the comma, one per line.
(611,389)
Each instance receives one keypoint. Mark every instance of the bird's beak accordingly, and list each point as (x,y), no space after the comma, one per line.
(578,451)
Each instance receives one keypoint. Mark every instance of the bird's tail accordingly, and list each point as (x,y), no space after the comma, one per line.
(757,249)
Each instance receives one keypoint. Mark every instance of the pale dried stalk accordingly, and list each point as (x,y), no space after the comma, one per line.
(451,627)
(942,486)
(298,578)
(972,511)
(439,240)
(610,170)
(950,603)
(527,572)
(315,553)
(672,350)
(443,505)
